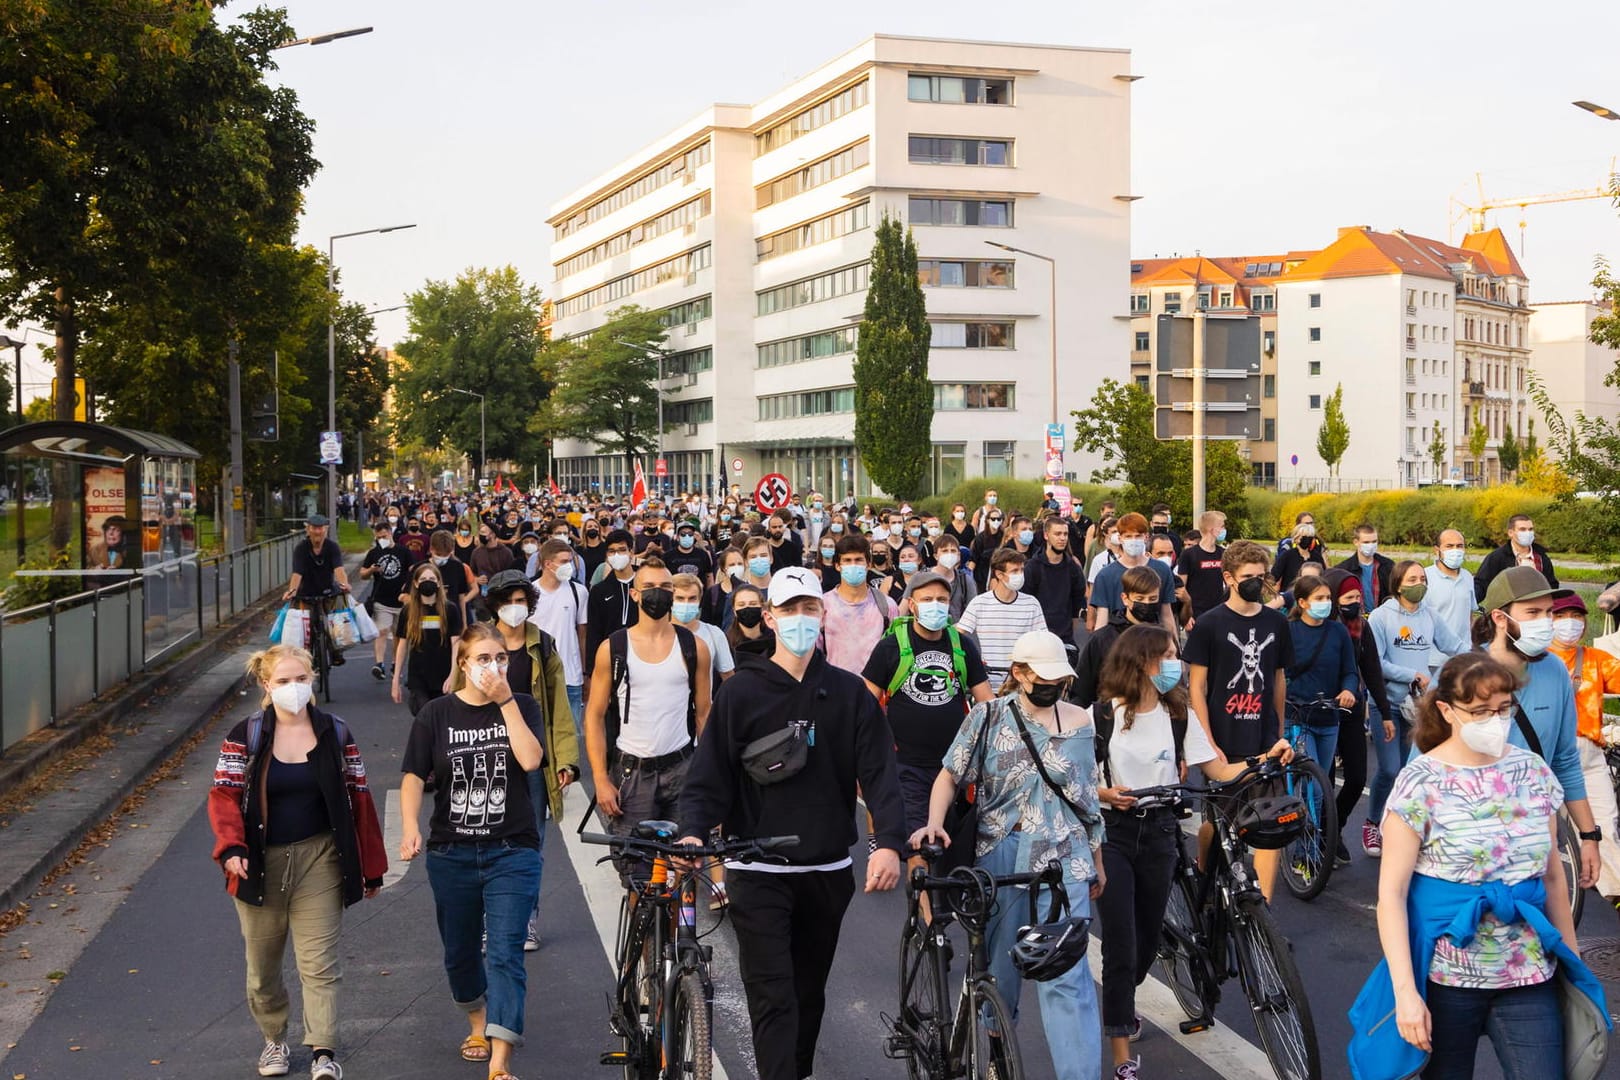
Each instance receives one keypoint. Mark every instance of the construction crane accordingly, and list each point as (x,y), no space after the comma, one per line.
(1475,212)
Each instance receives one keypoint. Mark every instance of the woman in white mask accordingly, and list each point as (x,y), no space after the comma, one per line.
(296,833)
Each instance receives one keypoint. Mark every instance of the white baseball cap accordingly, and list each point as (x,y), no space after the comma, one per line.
(792,582)
(1042,650)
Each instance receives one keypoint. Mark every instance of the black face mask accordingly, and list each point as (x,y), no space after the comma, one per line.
(427,588)
(657,603)
(1252,590)
(749,617)
(1161,530)
(1349,612)
(1145,613)
(1044,695)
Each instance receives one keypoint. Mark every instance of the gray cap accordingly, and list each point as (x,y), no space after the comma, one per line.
(925,577)
(507,579)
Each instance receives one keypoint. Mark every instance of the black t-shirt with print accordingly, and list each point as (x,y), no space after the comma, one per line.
(926,712)
(1243,654)
(430,660)
(697,562)
(1206,583)
(393,566)
(481,793)
(314,569)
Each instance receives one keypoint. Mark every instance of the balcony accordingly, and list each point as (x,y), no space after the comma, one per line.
(1411,311)
(1411,414)
(1411,344)
(1411,379)
(1476,388)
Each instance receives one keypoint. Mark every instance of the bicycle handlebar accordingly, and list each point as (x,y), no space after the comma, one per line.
(1265,768)
(958,879)
(724,849)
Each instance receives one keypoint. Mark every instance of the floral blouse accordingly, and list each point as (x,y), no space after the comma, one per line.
(1478,824)
(1011,793)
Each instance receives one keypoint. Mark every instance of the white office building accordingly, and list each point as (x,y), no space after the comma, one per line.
(750,228)
(1570,364)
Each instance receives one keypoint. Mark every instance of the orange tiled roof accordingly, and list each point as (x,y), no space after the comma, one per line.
(1363,252)
(1497,251)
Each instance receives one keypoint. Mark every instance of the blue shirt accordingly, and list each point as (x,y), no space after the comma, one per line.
(1548,700)
(1106,592)
(1334,665)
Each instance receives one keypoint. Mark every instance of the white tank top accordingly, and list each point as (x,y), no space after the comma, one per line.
(654,723)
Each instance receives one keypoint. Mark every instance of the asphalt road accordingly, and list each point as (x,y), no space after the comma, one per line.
(132,966)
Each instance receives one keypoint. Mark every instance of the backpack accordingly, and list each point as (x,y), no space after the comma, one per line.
(1102,720)
(255,733)
(900,630)
(618,653)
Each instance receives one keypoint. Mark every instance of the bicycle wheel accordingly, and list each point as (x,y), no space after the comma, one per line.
(1569,853)
(993,1047)
(691,1016)
(1180,956)
(1307,862)
(639,996)
(922,1003)
(1276,994)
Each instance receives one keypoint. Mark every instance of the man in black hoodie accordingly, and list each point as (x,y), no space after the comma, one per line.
(787,918)
(609,606)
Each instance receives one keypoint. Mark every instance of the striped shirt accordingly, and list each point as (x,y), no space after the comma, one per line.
(997,626)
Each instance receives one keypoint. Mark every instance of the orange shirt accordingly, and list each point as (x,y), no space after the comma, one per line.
(1600,674)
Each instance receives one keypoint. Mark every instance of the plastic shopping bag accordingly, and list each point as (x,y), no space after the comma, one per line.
(341,629)
(364,622)
(295,628)
(281,620)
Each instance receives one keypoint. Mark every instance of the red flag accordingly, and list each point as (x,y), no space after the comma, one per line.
(555,490)
(638,490)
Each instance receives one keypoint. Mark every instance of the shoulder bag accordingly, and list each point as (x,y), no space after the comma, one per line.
(1087,819)
(962,817)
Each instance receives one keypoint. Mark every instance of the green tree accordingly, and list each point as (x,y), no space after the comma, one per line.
(894,400)
(1118,426)
(606,386)
(1478,436)
(1437,450)
(1333,438)
(1508,452)
(480,332)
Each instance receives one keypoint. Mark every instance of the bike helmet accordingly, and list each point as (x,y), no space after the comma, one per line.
(1045,950)
(1271,822)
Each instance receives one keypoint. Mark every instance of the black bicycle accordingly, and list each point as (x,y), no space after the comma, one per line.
(1217,926)
(320,642)
(977,1039)
(662,1005)
(1307,862)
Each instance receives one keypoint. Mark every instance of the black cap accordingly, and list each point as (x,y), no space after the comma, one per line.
(507,579)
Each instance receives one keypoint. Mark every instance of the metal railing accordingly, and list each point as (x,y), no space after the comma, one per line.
(57,656)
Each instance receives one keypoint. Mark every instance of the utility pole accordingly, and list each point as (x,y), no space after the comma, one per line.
(233,519)
(1199,481)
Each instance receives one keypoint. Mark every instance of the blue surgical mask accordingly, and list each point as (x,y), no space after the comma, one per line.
(1453,558)
(837,526)
(798,632)
(686,541)
(827,553)
(685,612)
(852,575)
(933,614)
(759,565)
(1220,537)
(1168,676)
(1026,536)
(908,568)
(1320,609)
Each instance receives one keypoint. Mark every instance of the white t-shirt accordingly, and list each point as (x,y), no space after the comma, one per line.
(1098,561)
(719,649)
(560,613)
(1145,756)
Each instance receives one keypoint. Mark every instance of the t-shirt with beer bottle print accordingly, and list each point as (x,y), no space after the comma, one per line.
(480,793)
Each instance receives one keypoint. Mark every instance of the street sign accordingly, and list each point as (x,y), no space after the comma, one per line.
(331,448)
(736,465)
(1231,365)
(1054,437)
(661,467)
(80,411)
(773,492)
(1293,459)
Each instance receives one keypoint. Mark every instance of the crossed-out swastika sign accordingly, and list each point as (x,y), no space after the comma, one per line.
(773,492)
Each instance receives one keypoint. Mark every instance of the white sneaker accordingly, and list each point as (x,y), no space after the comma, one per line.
(531,938)
(274,1058)
(325,1068)
(1128,1071)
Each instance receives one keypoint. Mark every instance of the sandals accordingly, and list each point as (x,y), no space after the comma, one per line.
(475,1048)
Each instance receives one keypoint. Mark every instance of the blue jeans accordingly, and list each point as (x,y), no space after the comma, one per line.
(1321,743)
(1069,1009)
(1389,760)
(537,799)
(1522,1023)
(491,884)
(576,702)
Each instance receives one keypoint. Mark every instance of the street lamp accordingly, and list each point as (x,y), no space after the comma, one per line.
(322,39)
(483,452)
(1052,263)
(7,342)
(1597,110)
(331,350)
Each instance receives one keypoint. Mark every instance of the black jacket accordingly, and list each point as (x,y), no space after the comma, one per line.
(853,744)
(1502,558)
(1383,566)
(1293,558)
(607,609)
(1060,587)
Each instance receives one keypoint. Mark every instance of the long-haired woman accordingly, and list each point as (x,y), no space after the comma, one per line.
(433,627)
(747,618)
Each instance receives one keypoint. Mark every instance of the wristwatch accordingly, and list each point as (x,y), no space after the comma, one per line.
(1596,835)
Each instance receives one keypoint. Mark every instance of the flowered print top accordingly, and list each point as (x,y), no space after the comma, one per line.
(1477,824)
(1012,794)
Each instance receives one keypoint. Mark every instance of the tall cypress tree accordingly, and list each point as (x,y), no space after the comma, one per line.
(894,401)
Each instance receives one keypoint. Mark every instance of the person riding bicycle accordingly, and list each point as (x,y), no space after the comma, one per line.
(1594,672)
(317,568)
(1036,772)
(1324,668)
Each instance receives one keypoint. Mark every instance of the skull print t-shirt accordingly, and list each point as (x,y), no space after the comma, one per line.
(926,710)
(1244,655)
(480,791)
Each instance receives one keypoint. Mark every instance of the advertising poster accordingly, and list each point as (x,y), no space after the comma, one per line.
(104,525)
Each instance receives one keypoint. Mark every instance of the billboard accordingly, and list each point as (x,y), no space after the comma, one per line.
(104,526)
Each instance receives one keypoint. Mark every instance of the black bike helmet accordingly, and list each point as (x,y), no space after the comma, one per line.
(1270,822)
(1045,950)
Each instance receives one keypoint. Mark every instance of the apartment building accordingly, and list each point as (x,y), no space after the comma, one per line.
(1569,363)
(750,229)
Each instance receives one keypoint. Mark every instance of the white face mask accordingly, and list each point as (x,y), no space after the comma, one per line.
(1134,548)
(440,560)
(513,614)
(564,571)
(292,697)
(1487,736)
(1534,636)
(1015,581)
(1567,632)
(618,561)
(530,549)
(385,542)
(949,559)
(1369,549)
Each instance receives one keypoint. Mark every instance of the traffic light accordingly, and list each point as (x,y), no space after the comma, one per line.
(265,425)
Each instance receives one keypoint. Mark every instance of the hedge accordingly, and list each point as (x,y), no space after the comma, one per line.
(1020,496)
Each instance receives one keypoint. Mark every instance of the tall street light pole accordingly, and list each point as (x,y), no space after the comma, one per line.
(1052,265)
(8,342)
(331,351)
(483,450)
(322,39)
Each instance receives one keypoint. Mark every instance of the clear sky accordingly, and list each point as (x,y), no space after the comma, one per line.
(1257,127)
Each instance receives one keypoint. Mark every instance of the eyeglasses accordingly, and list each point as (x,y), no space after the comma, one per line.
(486,661)
(1479,715)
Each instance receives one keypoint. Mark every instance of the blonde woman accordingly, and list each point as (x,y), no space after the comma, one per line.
(296,834)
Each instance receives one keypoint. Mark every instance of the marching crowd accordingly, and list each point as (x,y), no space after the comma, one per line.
(726,668)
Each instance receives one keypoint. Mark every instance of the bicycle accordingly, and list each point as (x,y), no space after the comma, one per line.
(1217,926)
(662,1005)
(977,1040)
(320,645)
(1307,863)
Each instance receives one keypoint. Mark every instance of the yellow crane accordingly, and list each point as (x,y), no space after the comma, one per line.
(1475,212)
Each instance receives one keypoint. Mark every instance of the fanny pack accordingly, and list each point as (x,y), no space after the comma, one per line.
(771,759)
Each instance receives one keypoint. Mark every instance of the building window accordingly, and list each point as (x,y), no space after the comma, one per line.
(1144,341)
(1203,298)
(1269,429)
(1142,382)
(802,123)
(947,150)
(688,363)
(810,347)
(700,411)
(955,397)
(807,403)
(821,171)
(688,314)
(1316,401)
(681,166)
(1262,301)
(1264,474)
(1269,385)
(994,213)
(815,231)
(972,335)
(680,268)
(1268,341)
(667,222)
(1172,303)
(965,273)
(998,459)
(813,290)
(1316,299)
(956,90)
(1224,299)
(1316,333)
(1315,367)
(1139,303)
(950,465)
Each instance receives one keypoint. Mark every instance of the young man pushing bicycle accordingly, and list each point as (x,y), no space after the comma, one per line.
(789,738)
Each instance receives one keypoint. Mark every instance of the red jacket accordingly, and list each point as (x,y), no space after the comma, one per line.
(238,811)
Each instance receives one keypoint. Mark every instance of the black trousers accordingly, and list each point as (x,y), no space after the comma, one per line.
(1139,858)
(787,932)
(1353,752)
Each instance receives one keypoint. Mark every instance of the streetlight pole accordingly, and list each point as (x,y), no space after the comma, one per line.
(331,349)
(483,450)
(1052,265)
(7,342)
(322,39)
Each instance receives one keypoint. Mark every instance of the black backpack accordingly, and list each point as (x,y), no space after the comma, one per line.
(618,652)
(1102,719)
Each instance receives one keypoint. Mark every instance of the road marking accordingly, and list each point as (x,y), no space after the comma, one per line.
(600,884)
(393,832)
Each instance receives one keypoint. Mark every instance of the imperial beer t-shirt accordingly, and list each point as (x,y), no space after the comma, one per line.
(480,793)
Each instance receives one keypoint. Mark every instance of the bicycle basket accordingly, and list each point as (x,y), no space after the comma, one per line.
(1269,822)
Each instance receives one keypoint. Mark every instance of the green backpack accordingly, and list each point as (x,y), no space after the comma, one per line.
(900,630)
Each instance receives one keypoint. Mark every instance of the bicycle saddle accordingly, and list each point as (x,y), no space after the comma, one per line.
(657,830)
